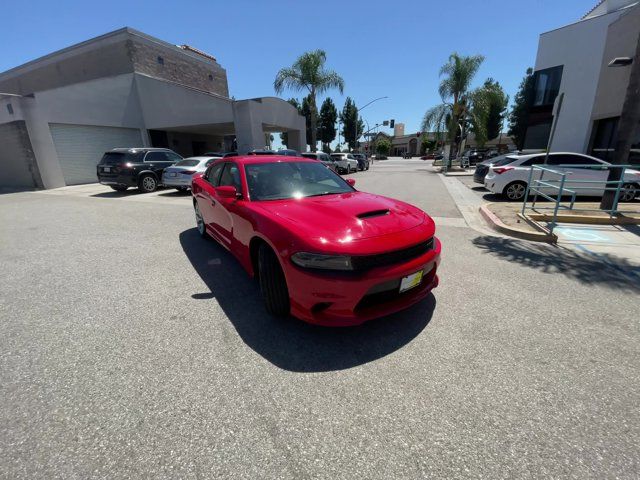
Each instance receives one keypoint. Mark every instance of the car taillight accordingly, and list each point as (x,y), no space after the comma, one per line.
(126,165)
(500,170)
(188,172)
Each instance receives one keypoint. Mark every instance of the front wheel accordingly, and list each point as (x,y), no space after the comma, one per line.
(273,285)
(515,191)
(628,192)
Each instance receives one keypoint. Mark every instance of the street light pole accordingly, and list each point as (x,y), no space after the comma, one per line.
(355,141)
(627,126)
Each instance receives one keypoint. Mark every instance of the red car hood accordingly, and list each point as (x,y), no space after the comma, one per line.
(344,218)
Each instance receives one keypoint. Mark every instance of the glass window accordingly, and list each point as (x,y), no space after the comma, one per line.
(547,85)
(564,159)
(231,177)
(502,161)
(155,157)
(114,158)
(212,174)
(282,180)
(173,157)
(187,163)
(537,160)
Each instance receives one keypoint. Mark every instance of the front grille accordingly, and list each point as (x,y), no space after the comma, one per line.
(365,262)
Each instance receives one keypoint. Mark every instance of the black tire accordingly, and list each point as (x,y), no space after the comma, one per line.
(515,191)
(181,189)
(147,183)
(119,188)
(273,285)
(629,192)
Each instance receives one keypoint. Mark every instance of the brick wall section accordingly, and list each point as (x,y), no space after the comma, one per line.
(179,67)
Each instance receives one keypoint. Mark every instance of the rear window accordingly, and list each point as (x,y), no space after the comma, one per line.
(337,157)
(503,161)
(309,155)
(114,158)
(187,163)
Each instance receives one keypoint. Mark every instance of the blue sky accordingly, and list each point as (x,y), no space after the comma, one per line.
(379,47)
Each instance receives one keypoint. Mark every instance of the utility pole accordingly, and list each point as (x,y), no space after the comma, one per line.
(628,125)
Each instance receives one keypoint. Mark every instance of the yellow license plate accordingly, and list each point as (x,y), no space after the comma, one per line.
(410,281)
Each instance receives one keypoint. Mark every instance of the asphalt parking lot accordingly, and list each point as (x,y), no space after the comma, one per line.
(131,348)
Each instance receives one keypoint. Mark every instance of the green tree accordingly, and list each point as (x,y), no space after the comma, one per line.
(305,111)
(284,136)
(427,145)
(350,121)
(519,116)
(383,146)
(452,116)
(309,73)
(327,126)
(488,108)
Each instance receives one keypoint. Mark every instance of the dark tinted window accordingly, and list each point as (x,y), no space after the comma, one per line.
(231,177)
(155,157)
(173,157)
(314,156)
(500,162)
(539,160)
(213,173)
(547,85)
(573,160)
(114,158)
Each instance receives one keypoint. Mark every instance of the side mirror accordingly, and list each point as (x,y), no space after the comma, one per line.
(227,191)
(351,181)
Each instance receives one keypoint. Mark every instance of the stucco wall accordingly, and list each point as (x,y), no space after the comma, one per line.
(579,47)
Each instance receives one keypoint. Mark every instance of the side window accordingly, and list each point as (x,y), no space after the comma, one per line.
(538,160)
(155,157)
(231,176)
(173,157)
(212,175)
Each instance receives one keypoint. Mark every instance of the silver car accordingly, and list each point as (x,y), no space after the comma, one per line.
(179,174)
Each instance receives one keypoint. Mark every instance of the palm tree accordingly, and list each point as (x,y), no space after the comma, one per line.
(308,73)
(455,113)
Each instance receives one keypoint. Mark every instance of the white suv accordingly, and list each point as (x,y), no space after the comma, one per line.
(510,178)
(345,162)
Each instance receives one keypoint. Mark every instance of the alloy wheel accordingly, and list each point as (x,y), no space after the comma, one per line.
(515,191)
(148,184)
(628,192)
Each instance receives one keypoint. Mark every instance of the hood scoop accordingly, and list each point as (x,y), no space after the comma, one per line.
(373,213)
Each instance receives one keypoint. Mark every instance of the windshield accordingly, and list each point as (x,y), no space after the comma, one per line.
(280,180)
(187,163)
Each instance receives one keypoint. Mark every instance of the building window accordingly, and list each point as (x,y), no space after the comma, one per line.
(547,85)
(210,77)
(161,60)
(10,108)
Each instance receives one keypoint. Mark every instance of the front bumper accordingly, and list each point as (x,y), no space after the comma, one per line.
(335,299)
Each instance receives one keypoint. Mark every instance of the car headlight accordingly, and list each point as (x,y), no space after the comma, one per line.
(323,262)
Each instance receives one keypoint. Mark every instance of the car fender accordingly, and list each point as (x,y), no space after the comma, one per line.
(146,171)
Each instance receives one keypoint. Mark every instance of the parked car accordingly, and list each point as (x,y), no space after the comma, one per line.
(407,155)
(321,250)
(122,168)
(179,175)
(220,154)
(325,158)
(511,179)
(345,162)
(476,156)
(483,167)
(363,161)
(378,156)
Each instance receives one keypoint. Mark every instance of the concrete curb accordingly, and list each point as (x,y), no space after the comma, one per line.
(497,224)
(587,219)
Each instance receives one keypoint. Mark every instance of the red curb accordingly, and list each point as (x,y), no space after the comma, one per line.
(497,224)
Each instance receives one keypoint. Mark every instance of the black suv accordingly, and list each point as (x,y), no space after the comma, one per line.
(122,168)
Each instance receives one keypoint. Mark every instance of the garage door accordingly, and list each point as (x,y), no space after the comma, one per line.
(80,148)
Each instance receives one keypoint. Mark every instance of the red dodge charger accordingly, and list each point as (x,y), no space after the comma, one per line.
(322,251)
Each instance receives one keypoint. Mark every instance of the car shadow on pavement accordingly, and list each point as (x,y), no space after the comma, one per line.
(589,267)
(290,343)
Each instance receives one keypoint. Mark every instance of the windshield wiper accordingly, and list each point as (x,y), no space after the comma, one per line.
(322,193)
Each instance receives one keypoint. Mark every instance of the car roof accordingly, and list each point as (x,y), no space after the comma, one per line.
(201,157)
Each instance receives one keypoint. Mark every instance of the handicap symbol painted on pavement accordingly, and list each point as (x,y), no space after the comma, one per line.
(581,235)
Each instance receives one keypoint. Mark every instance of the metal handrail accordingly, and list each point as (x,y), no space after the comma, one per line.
(558,186)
